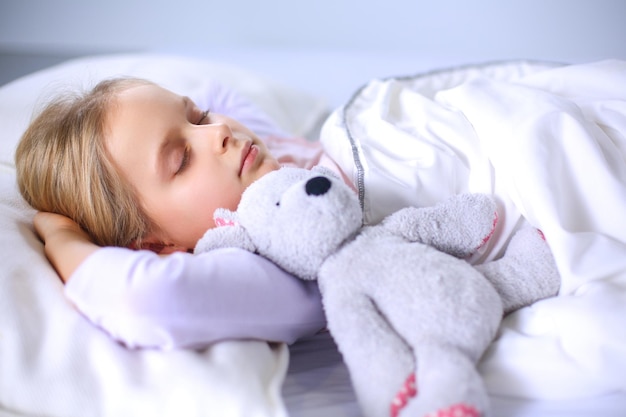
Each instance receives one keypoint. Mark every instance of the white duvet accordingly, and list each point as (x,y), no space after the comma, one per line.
(550,142)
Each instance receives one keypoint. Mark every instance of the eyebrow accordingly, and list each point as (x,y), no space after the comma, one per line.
(186,102)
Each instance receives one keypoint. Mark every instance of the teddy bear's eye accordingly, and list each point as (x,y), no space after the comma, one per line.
(278,204)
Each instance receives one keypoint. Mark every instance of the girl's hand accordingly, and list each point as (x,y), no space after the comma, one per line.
(65,244)
(48,224)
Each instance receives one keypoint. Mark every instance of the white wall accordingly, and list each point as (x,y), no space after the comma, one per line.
(564,30)
(321,46)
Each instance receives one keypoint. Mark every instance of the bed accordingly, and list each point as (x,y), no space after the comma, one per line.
(560,357)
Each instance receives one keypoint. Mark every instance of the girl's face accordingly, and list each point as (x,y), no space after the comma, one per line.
(183,162)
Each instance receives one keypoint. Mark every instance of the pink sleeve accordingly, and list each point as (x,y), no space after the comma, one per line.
(184,300)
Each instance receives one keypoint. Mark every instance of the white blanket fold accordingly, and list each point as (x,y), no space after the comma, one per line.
(550,143)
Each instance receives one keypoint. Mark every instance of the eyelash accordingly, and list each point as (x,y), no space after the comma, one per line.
(184,162)
(205,114)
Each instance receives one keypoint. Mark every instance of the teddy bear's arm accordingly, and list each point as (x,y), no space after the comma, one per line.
(526,273)
(457,226)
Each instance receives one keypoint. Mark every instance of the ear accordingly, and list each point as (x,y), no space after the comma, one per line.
(225,217)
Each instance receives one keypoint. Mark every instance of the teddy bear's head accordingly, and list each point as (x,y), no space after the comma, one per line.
(296,217)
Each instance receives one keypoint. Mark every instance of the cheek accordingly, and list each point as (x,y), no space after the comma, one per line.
(212,195)
(200,208)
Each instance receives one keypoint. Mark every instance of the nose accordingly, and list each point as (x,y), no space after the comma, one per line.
(317,186)
(218,134)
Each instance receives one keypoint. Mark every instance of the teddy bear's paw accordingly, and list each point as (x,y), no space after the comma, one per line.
(467,222)
(458,226)
(478,222)
(457,410)
(490,233)
(408,391)
(526,273)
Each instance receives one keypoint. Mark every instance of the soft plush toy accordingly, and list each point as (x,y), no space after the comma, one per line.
(409,315)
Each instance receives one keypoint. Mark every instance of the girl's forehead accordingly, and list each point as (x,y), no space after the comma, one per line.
(146,98)
(147,92)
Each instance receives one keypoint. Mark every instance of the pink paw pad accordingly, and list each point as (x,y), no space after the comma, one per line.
(457,410)
(408,391)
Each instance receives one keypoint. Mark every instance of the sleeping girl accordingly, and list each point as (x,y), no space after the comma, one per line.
(130,165)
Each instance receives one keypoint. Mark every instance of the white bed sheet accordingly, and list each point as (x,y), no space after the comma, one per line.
(317,384)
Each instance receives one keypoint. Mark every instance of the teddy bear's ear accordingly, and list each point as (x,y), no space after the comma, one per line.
(233,236)
(229,233)
(225,217)
(325,171)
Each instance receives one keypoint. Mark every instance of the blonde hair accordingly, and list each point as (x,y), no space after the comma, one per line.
(63,166)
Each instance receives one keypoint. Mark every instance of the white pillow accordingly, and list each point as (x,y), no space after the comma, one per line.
(53,362)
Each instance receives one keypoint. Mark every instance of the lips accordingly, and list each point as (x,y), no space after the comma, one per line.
(248,156)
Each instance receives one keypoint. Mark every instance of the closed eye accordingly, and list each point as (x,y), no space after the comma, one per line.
(184,161)
(204,116)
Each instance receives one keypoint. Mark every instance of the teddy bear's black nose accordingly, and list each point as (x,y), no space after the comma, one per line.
(317,186)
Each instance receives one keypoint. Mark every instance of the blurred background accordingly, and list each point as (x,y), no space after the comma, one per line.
(358,39)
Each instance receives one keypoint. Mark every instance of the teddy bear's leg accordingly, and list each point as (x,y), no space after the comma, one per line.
(448,384)
(527,271)
(458,226)
(379,361)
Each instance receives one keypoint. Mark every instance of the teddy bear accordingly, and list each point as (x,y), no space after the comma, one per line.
(410,316)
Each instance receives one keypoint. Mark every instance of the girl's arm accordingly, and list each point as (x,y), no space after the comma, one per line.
(181,300)
(185,300)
